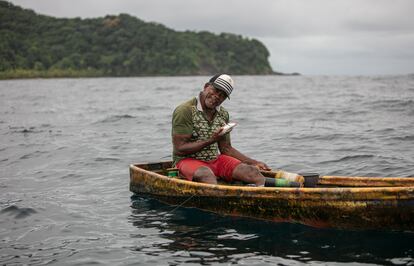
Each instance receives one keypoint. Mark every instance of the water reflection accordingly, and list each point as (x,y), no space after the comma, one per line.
(207,237)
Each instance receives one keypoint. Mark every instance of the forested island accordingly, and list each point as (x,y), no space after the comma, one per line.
(34,45)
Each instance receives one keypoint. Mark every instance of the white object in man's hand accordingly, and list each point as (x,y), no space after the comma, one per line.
(227,128)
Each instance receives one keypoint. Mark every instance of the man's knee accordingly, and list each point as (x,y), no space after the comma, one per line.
(247,170)
(249,174)
(205,175)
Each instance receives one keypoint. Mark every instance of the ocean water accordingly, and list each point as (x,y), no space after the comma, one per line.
(66,145)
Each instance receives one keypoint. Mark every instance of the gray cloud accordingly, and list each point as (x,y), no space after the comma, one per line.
(312,37)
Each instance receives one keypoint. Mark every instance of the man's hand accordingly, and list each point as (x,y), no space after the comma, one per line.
(217,135)
(262,166)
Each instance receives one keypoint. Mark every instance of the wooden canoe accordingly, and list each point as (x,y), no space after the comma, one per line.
(336,202)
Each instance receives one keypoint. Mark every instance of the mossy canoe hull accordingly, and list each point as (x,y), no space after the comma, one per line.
(382,205)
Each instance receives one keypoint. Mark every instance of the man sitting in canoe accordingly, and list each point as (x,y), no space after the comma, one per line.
(198,135)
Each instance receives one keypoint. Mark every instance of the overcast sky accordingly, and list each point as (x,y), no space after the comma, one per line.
(340,37)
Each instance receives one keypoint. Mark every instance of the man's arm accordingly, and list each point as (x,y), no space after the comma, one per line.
(226,149)
(183,144)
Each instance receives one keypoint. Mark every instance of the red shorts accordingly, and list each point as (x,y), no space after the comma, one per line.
(222,167)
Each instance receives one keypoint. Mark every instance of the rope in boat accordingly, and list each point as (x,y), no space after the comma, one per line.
(181,204)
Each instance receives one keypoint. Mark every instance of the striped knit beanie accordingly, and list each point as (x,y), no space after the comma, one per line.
(223,82)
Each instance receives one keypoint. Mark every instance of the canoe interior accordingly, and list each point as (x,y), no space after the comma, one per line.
(162,168)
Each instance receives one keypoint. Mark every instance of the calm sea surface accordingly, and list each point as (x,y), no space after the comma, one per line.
(66,145)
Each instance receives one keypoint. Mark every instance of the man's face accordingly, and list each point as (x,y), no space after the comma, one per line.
(214,97)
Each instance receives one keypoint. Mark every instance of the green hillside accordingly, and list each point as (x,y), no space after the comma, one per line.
(33,45)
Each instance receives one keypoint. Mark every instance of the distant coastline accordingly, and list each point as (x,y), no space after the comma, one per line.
(69,73)
(287,74)
(38,46)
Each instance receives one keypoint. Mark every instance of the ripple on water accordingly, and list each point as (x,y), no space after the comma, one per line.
(18,213)
(115,118)
(348,158)
(394,104)
(32,155)
(24,130)
(408,138)
(107,159)
(71,176)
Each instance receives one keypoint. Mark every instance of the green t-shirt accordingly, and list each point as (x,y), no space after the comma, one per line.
(189,119)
